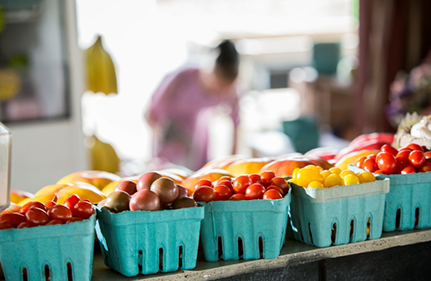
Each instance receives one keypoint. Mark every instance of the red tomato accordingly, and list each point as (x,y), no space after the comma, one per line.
(272,194)
(49,204)
(5,225)
(386,162)
(360,162)
(36,216)
(29,205)
(370,165)
(408,170)
(238,197)
(389,149)
(414,146)
(378,172)
(426,167)
(54,222)
(275,188)
(71,201)
(83,210)
(255,191)
(255,178)
(427,154)
(267,176)
(204,194)
(402,157)
(281,183)
(227,183)
(13,218)
(222,192)
(225,178)
(241,183)
(24,225)
(417,158)
(371,156)
(60,212)
(74,219)
(203,182)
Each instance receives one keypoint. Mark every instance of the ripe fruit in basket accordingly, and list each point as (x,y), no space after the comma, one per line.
(407,160)
(307,177)
(144,200)
(146,180)
(166,189)
(209,174)
(204,194)
(126,186)
(42,198)
(184,202)
(118,201)
(84,191)
(98,179)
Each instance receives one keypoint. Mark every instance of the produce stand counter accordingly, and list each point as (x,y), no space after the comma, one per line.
(399,255)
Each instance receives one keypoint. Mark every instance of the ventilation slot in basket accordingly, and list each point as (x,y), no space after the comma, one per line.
(334,233)
(261,247)
(240,248)
(24,274)
(161,259)
(309,231)
(47,273)
(140,259)
(368,228)
(398,219)
(69,272)
(300,231)
(417,213)
(180,259)
(352,230)
(220,248)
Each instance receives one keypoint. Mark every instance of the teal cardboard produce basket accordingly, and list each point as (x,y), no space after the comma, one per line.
(250,229)
(51,252)
(149,241)
(337,215)
(411,195)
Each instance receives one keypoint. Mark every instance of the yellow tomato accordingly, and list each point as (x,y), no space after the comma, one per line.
(333,180)
(346,172)
(325,173)
(295,174)
(315,168)
(366,177)
(350,179)
(315,184)
(305,176)
(335,170)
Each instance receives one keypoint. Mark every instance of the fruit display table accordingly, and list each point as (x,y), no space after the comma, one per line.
(398,255)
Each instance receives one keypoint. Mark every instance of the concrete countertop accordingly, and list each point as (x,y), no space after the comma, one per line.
(292,253)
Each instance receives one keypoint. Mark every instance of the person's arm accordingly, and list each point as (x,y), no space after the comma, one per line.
(235,115)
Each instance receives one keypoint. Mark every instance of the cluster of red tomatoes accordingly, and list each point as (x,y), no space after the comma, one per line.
(407,160)
(246,187)
(48,213)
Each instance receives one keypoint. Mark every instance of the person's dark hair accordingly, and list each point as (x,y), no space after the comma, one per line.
(227,62)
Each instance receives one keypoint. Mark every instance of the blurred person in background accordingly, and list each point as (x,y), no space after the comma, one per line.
(178,112)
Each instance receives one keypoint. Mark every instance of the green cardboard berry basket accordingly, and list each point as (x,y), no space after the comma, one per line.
(249,229)
(408,202)
(337,215)
(149,241)
(50,252)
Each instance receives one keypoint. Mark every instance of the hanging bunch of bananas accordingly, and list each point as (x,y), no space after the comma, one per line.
(102,155)
(101,75)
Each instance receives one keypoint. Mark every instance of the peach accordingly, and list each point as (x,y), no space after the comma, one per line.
(97,178)
(18,195)
(284,167)
(246,166)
